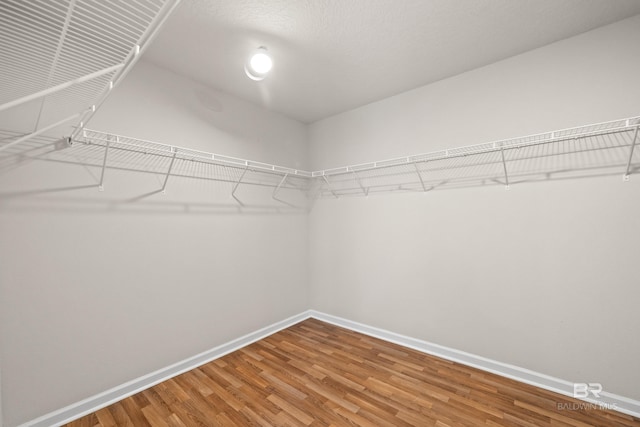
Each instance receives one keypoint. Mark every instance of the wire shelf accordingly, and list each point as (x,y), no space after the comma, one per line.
(65,56)
(592,150)
(110,157)
(596,149)
(150,147)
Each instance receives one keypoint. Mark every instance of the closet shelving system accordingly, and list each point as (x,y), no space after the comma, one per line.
(61,59)
(179,161)
(596,149)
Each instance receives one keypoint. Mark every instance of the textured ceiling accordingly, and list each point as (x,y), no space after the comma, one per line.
(335,55)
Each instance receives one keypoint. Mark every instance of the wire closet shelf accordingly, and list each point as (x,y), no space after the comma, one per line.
(61,59)
(125,152)
(596,149)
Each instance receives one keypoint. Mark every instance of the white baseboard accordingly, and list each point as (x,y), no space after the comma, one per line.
(99,401)
(620,403)
(94,403)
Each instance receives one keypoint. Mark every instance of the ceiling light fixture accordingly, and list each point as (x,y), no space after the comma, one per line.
(259,65)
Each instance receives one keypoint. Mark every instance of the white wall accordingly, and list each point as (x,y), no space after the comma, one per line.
(96,291)
(543,276)
(586,79)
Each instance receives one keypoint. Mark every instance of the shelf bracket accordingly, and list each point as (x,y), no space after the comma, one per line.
(104,164)
(357,178)
(504,166)
(166,177)
(235,187)
(275,191)
(424,188)
(329,186)
(633,145)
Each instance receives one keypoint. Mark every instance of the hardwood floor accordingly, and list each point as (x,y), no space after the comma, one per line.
(316,374)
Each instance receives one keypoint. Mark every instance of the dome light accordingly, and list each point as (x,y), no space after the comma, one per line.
(259,64)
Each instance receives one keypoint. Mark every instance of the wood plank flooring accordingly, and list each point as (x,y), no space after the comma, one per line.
(316,374)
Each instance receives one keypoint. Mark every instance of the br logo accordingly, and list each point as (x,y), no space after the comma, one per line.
(582,390)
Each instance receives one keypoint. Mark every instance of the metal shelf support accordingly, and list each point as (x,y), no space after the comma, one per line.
(235,187)
(104,164)
(275,191)
(633,145)
(424,188)
(166,177)
(504,165)
(357,178)
(329,186)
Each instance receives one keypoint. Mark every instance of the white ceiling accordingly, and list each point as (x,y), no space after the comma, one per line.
(334,55)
